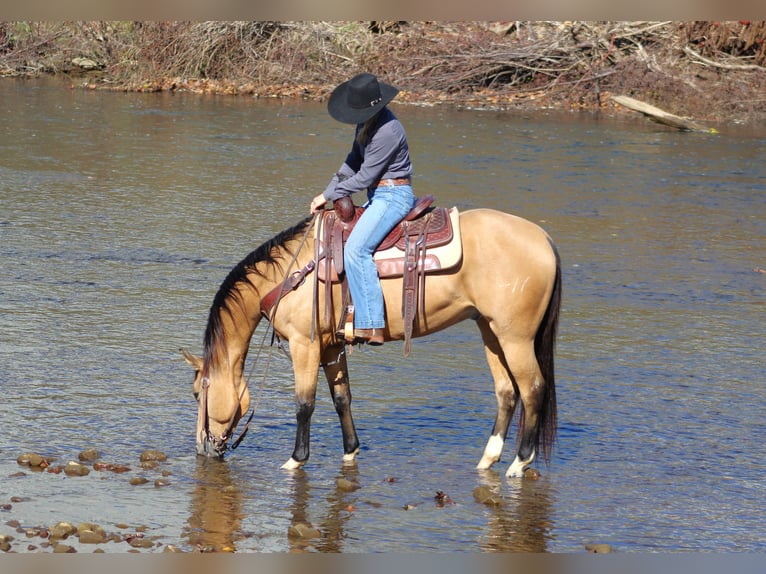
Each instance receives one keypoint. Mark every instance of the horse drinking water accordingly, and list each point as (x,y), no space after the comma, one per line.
(507,280)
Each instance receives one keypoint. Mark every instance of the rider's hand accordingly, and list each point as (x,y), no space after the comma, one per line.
(317,203)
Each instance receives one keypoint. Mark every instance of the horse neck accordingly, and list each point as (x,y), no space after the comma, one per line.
(242,314)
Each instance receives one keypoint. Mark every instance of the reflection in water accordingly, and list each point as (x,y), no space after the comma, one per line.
(328,534)
(519,521)
(216,508)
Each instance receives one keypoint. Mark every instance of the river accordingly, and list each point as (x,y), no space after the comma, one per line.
(121,213)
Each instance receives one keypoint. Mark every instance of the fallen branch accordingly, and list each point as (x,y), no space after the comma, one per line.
(660,116)
(715,64)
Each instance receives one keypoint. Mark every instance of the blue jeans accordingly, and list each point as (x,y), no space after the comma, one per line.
(385,208)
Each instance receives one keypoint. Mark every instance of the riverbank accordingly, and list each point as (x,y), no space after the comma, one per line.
(708,71)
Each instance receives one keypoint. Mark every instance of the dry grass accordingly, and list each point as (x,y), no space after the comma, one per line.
(706,69)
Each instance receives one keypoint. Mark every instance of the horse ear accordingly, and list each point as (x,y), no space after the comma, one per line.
(193,360)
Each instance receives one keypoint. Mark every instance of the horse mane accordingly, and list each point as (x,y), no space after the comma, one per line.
(228,291)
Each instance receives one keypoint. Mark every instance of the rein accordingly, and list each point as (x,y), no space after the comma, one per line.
(290,282)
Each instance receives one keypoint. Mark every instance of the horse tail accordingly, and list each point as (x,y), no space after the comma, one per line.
(545,342)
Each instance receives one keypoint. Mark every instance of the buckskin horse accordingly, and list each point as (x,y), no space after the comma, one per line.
(507,279)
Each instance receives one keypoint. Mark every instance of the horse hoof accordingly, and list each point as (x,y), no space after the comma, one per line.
(292,464)
(351,456)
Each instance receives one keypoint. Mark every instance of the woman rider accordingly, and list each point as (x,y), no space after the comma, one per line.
(379,162)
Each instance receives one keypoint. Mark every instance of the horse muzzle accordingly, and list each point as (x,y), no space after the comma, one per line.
(211,447)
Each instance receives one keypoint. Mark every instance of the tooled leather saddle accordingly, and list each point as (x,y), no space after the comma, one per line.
(426,240)
(407,252)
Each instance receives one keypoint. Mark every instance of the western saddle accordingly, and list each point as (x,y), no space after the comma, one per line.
(403,253)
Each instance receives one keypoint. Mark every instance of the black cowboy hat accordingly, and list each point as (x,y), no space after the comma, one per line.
(359,99)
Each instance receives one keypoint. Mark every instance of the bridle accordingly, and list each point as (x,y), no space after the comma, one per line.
(220,445)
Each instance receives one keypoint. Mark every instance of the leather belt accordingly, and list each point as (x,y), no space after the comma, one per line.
(393,182)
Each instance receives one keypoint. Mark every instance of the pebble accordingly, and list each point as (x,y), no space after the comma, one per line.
(346,485)
(91,537)
(62,530)
(532,474)
(484,495)
(73,468)
(5,543)
(33,460)
(150,454)
(598,548)
(303,530)
(89,455)
(90,533)
(141,543)
(138,480)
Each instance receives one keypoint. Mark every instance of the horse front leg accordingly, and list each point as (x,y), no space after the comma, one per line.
(305,356)
(336,371)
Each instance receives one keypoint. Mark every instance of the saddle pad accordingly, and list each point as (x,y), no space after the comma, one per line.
(390,261)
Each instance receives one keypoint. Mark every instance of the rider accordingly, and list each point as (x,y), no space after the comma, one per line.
(379,162)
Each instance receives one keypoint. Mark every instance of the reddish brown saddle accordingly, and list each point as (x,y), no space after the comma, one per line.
(406,255)
(406,249)
(423,227)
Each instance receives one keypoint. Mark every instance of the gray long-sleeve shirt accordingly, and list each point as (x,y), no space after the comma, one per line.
(385,156)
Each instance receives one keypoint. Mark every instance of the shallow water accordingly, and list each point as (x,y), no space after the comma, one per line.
(120,214)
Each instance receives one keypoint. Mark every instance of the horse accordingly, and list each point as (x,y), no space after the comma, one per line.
(508,282)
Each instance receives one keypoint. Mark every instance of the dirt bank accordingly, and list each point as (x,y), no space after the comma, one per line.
(710,71)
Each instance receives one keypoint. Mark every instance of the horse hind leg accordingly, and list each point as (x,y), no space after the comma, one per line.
(532,391)
(505,392)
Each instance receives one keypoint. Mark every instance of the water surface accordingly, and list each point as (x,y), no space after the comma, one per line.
(120,214)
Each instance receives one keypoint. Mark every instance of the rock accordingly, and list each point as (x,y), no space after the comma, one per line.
(90,533)
(32,459)
(139,480)
(346,485)
(598,548)
(92,537)
(171,549)
(5,543)
(160,482)
(63,549)
(62,530)
(303,530)
(89,455)
(102,466)
(150,454)
(484,495)
(86,63)
(73,468)
(532,474)
(141,543)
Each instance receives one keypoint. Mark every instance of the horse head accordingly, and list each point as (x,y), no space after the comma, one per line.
(222,400)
